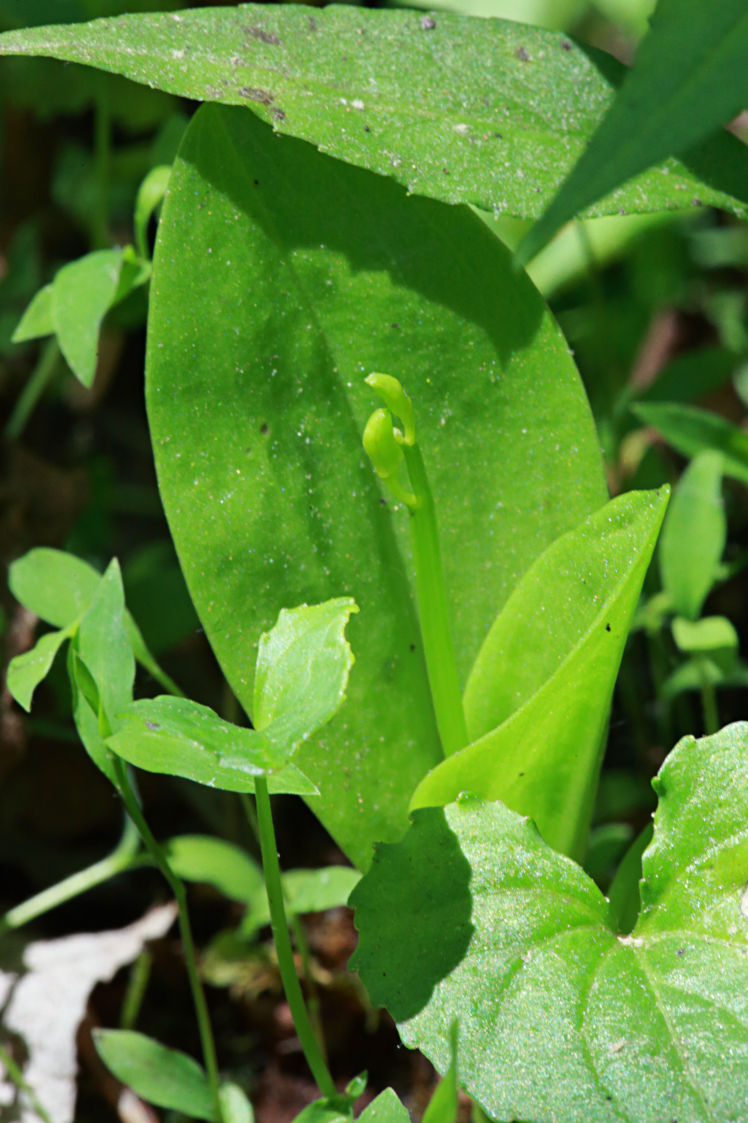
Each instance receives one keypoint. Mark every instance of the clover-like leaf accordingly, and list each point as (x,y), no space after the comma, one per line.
(472,916)
(302,672)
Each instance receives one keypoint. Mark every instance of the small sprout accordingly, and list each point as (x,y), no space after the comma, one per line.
(394,397)
(383,449)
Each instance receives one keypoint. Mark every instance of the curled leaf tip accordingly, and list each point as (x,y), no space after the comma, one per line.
(397,401)
(381,445)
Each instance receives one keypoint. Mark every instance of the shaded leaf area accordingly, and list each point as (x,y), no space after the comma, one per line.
(464,110)
(539,694)
(689,79)
(560,1018)
(691,431)
(330,273)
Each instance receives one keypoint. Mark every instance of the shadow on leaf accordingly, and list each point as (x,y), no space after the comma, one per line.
(413,930)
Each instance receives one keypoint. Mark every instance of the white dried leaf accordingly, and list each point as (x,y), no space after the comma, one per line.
(44,1004)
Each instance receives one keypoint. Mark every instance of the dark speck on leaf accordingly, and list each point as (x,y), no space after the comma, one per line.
(520,774)
(427,23)
(367,129)
(382,501)
(278,114)
(312,24)
(412,647)
(522,55)
(264,427)
(153,725)
(497,135)
(262,36)
(566,44)
(256,182)
(251,94)
(607,627)
(680,951)
(395,327)
(446,171)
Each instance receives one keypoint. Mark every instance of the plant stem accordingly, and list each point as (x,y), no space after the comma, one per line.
(708,699)
(433,609)
(177,888)
(121,858)
(136,988)
(279,923)
(36,384)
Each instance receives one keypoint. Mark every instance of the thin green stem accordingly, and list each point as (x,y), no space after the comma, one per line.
(279,923)
(708,699)
(36,384)
(121,858)
(17,1077)
(190,957)
(312,1005)
(433,609)
(136,988)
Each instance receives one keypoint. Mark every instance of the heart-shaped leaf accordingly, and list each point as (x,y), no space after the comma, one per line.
(481,111)
(330,273)
(472,916)
(539,694)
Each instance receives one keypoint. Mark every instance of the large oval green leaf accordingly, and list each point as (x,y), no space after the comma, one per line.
(473,917)
(488,112)
(281,278)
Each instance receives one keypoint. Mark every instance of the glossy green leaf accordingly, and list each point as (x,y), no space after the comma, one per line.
(691,431)
(473,917)
(200,857)
(489,112)
(82,294)
(387,1107)
(26,671)
(330,273)
(689,79)
(58,587)
(302,671)
(303,891)
(538,697)
(183,738)
(164,1077)
(37,319)
(694,534)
